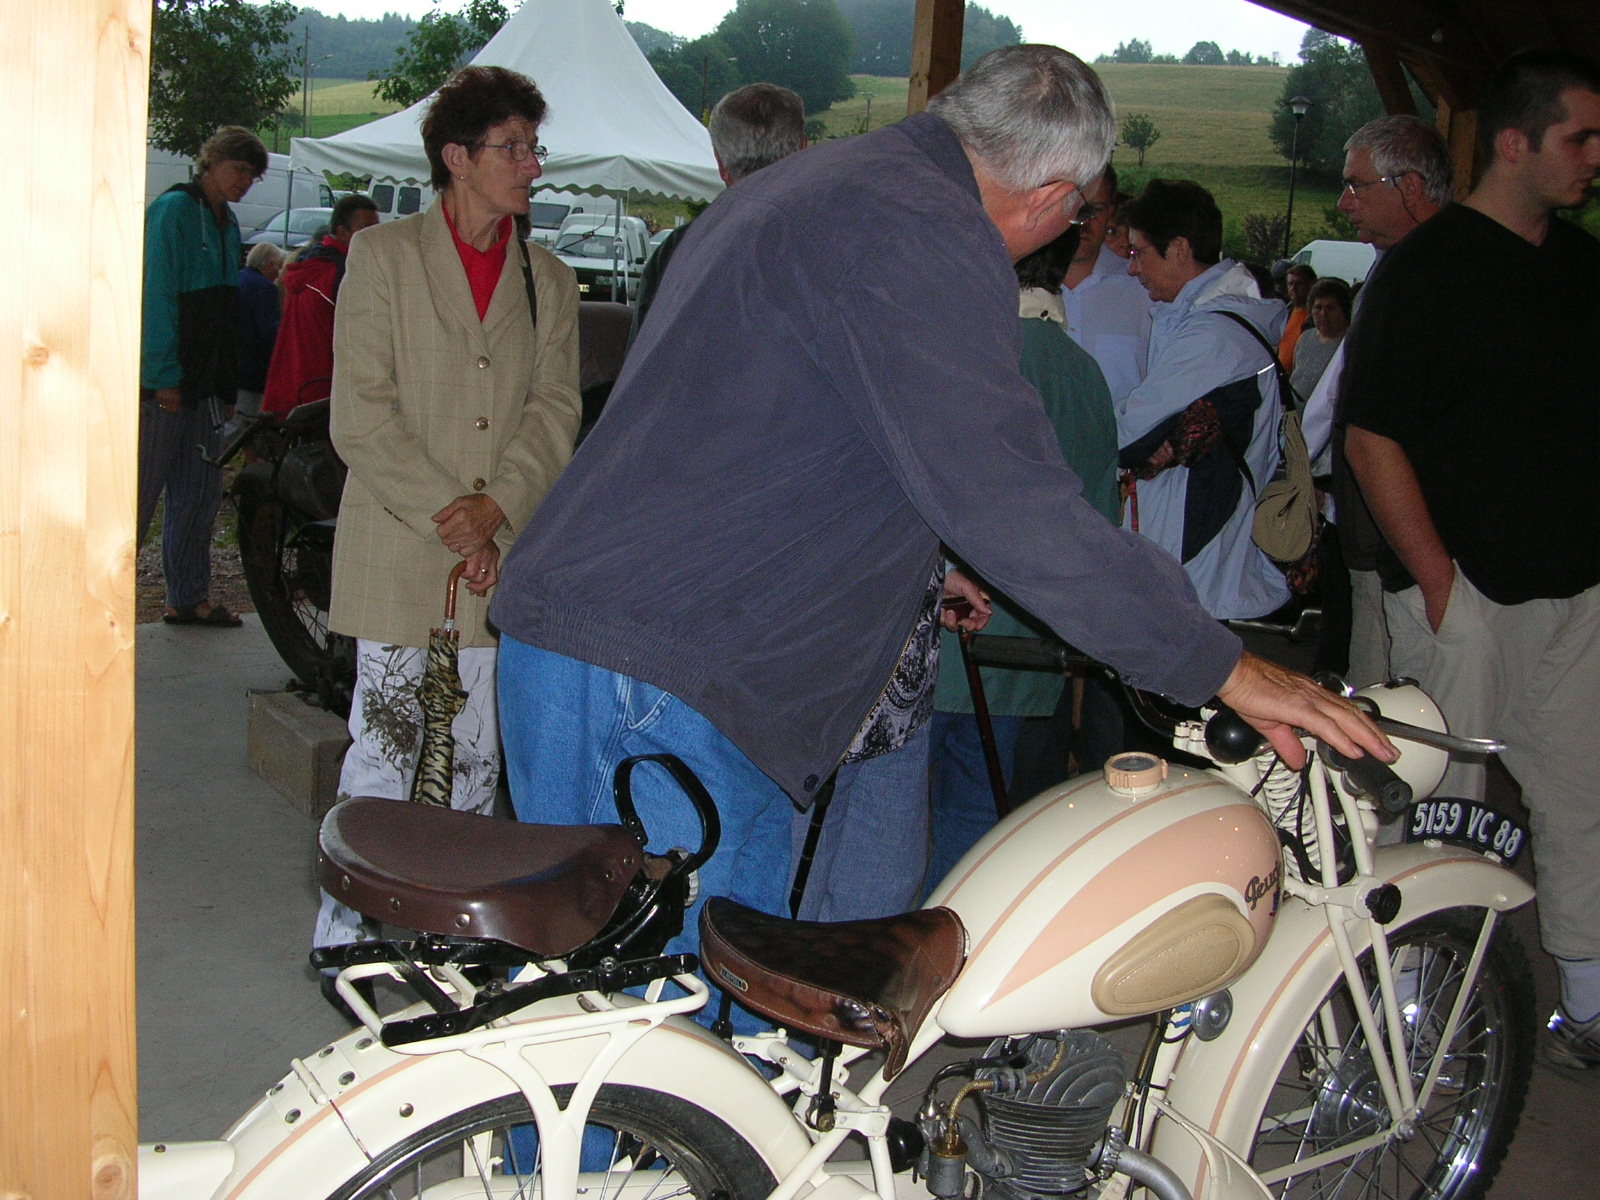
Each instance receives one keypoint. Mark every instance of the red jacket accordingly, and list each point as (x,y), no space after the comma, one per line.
(302,357)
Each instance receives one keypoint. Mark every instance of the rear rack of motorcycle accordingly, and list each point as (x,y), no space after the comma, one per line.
(454,979)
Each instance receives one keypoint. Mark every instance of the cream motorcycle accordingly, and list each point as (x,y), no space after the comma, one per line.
(1326,1018)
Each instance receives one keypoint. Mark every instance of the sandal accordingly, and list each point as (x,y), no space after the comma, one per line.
(216,615)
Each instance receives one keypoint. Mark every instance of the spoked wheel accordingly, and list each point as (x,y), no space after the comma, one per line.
(290,576)
(638,1145)
(1328,1097)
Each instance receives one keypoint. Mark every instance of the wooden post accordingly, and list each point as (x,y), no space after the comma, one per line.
(1390,76)
(935,50)
(74,100)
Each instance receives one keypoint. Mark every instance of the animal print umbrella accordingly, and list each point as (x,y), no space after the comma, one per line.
(442,698)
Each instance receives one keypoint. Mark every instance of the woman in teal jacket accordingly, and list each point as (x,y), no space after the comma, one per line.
(192,254)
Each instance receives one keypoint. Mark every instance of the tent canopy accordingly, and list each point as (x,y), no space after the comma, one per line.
(612,125)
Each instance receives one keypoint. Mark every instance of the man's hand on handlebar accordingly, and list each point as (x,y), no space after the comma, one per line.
(1279,702)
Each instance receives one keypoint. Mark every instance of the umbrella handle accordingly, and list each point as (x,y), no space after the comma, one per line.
(450,590)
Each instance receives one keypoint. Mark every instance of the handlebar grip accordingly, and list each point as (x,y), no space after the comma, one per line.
(1371,777)
(1231,739)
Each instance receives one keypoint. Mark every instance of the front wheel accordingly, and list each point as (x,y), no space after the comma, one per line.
(1327,1096)
(638,1144)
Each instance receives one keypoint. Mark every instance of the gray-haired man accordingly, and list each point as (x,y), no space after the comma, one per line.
(751,127)
(1396,176)
(829,388)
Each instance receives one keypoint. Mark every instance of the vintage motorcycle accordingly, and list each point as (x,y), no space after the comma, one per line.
(287,499)
(1327,1016)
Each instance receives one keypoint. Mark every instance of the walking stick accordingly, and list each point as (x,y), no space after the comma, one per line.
(802,871)
(980,710)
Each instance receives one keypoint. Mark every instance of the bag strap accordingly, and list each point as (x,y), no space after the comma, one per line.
(527,270)
(1286,391)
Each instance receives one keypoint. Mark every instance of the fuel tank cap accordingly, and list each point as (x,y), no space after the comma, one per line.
(1135,773)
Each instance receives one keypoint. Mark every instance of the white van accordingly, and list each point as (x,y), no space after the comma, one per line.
(1349,261)
(399,199)
(278,189)
(547,211)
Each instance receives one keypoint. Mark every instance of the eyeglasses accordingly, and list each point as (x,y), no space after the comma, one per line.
(1356,186)
(1090,212)
(518,151)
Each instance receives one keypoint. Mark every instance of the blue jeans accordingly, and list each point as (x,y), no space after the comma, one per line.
(873,852)
(173,453)
(566,725)
(963,801)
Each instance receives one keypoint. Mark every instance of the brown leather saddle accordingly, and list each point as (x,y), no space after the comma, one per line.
(546,889)
(863,983)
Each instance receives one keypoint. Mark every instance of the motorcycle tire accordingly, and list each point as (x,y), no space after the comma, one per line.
(1327,1093)
(290,577)
(651,1144)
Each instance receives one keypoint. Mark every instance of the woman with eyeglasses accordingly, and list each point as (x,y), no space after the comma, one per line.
(455,405)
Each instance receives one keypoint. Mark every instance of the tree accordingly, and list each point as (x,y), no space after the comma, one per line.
(440,45)
(1139,133)
(983,31)
(1204,54)
(1333,75)
(801,44)
(1263,236)
(698,73)
(1132,51)
(217,62)
(882,29)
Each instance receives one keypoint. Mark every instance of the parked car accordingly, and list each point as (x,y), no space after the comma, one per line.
(291,228)
(607,257)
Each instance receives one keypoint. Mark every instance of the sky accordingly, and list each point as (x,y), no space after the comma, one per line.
(1087,29)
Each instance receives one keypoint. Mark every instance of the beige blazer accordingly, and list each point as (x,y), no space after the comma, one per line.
(429,404)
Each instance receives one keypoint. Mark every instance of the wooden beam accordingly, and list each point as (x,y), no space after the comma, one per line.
(1460,129)
(69,328)
(1394,89)
(935,50)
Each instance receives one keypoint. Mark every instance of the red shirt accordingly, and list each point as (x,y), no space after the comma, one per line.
(483,267)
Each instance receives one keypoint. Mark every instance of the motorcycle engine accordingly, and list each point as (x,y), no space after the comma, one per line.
(1039,1123)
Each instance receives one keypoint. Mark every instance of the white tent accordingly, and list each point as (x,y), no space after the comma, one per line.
(613,125)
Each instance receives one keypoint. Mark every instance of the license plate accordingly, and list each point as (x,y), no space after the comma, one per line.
(1468,824)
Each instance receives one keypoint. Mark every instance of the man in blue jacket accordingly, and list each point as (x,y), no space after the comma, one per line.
(188,362)
(826,390)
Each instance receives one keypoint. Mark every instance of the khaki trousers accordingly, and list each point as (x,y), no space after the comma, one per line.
(1529,675)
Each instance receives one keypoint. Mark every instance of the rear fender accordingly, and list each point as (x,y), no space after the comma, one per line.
(1274,999)
(356,1097)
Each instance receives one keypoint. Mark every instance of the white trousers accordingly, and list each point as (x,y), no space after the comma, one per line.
(386,728)
(1528,674)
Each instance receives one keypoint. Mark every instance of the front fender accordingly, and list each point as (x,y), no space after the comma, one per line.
(1276,997)
(323,1122)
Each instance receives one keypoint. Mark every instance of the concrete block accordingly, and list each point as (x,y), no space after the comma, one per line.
(297,748)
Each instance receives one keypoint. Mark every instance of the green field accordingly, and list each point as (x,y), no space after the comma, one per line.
(1213,123)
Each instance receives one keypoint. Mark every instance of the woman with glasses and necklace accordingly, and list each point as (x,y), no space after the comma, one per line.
(455,405)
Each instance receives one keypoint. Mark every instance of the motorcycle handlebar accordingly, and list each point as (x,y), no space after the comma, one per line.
(1372,777)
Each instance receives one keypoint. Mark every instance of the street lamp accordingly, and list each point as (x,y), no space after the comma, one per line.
(305,83)
(1298,105)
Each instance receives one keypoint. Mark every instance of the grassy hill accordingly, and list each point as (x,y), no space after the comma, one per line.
(1213,123)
